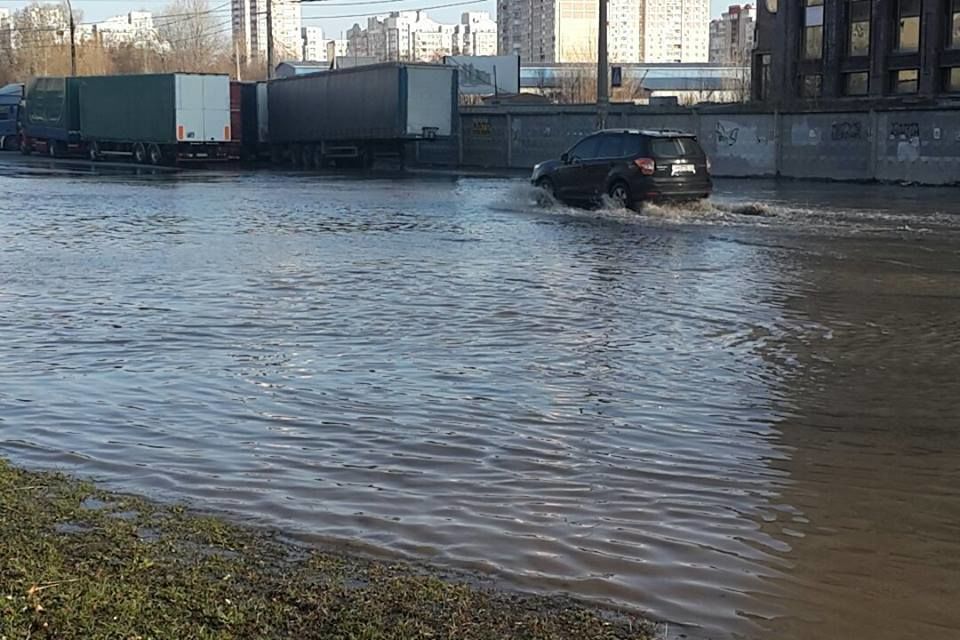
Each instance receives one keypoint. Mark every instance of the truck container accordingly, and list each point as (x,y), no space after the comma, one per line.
(360,112)
(263,120)
(155,118)
(244,128)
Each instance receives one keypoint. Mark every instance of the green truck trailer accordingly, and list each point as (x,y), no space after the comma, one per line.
(155,118)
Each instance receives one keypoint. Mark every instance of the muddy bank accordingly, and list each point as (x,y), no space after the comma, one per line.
(79,562)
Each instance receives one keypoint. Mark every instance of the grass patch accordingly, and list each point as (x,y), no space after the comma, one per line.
(78,562)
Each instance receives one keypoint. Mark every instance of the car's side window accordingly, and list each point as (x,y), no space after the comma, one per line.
(586,149)
(632,144)
(611,146)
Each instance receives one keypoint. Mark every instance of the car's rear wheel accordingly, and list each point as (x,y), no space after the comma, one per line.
(619,194)
(546,192)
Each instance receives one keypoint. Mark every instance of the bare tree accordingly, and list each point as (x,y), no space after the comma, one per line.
(193,38)
(41,39)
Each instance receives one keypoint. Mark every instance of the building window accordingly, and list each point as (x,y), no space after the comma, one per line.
(813,30)
(811,86)
(955,26)
(860,28)
(906,81)
(856,84)
(953,79)
(908,35)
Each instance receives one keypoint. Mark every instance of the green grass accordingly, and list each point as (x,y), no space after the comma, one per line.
(77,562)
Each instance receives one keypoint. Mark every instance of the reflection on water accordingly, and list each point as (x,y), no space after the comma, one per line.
(739,417)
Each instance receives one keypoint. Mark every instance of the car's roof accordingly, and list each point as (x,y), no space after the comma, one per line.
(653,133)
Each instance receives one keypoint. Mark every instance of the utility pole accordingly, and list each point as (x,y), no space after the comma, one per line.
(269,39)
(603,83)
(236,56)
(73,41)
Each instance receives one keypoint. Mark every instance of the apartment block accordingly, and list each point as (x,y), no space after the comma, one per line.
(731,36)
(551,31)
(414,36)
(250,29)
(313,44)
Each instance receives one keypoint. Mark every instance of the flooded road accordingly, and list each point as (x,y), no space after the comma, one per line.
(740,417)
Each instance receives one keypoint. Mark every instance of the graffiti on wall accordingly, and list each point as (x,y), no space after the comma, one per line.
(847,131)
(727,133)
(907,135)
(481,127)
(904,130)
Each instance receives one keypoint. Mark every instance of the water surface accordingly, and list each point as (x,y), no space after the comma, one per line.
(740,417)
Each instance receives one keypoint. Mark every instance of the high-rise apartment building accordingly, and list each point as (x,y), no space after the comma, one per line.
(676,31)
(412,35)
(476,35)
(250,29)
(314,46)
(625,34)
(731,36)
(544,31)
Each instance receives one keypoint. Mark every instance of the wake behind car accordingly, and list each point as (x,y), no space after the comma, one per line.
(629,166)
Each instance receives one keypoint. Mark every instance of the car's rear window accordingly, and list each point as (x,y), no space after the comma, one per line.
(674,147)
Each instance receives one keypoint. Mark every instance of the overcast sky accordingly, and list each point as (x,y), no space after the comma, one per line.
(335,16)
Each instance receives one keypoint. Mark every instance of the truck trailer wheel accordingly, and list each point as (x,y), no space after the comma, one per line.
(155,154)
(139,154)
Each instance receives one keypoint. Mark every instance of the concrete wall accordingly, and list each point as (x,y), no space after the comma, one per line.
(920,145)
(826,145)
(740,144)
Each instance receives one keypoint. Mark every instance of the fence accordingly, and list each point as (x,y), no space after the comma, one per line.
(918,145)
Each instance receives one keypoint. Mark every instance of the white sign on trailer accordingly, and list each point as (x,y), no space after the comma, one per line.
(487,75)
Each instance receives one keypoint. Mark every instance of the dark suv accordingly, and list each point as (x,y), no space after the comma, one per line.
(629,166)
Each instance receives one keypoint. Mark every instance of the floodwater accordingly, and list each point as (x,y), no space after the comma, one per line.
(742,418)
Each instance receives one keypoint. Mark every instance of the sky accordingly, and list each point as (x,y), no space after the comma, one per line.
(335,16)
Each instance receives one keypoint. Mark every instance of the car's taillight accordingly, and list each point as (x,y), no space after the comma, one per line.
(646,165)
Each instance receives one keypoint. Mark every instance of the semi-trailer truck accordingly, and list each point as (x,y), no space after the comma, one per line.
(360,113)
(153,118)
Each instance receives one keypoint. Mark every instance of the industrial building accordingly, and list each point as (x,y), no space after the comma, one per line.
(812,50)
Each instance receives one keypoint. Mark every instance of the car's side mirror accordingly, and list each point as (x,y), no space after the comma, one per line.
(565,158)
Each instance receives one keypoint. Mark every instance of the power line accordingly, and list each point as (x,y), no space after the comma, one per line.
(377,13)
(40,44)
(219,9)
